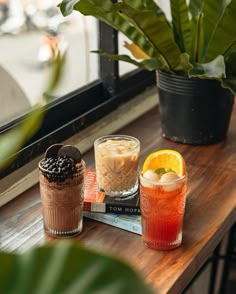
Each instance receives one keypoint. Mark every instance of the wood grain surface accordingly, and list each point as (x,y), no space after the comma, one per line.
(210,211)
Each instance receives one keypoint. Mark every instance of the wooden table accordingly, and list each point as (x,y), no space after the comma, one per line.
(210,211)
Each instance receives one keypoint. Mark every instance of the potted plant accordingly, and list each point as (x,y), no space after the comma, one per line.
(194,55)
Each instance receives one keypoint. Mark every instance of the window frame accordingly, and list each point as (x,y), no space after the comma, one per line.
(79,109)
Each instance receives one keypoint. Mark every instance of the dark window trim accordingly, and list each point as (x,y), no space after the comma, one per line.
(72,113)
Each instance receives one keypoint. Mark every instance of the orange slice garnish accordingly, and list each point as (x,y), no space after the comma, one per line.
(167,159)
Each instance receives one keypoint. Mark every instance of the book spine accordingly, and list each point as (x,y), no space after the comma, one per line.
(115,221)
(111,208)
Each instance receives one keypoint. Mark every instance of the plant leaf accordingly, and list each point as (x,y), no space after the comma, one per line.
(136,51)
(67,268)
(148,64)
(67,6)
(230,62)
(157,30)
(185,62)
(224,37)
(230,84)
(181,25)
(162,171)
(212,12)
(195,7)
(198,37)
(13,140)
(214,69)
(144,4)
(104,11)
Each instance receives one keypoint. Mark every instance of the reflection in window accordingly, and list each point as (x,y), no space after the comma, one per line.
(32,33)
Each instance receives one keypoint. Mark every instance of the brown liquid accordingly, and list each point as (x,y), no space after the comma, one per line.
(116,165)
(62,205)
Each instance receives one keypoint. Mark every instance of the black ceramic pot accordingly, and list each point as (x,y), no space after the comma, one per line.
(192,110)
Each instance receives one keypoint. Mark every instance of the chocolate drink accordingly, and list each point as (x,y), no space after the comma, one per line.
(61,189)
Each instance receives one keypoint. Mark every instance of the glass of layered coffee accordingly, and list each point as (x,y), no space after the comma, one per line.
(61,178)
(116,161)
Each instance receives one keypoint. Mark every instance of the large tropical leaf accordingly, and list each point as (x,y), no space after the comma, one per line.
(212,12)
(67,6)
(12,141)
(136,51)
(148,64)
(214,69)
(229,84)
(181,25)
(230,62)
(195,7)
(156,29)
(103,10)
(144,4)
(67,268)
(198,37)
(224,37)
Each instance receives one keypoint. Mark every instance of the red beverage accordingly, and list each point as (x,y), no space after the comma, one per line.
(162,210)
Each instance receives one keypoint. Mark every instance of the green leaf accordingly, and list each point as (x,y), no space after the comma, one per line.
(148,64)
(181,25)
(224,37)
(12,141)
(105,12)
(67,6)
(230,63)
(195,7)
(214,69)
(198,37)
(67,268)
(144,4)
(212,12)
(230,84)
(156,29)
(185,63)
(162,171)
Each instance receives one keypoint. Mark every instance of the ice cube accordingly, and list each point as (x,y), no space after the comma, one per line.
(170,180)
(151,175)
(148,176)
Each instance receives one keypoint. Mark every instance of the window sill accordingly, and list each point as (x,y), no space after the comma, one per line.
(27,176)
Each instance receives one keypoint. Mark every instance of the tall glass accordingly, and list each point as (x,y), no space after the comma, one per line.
(116,160)
(62,202)
(162,210)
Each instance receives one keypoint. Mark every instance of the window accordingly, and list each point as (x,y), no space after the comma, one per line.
(92,86)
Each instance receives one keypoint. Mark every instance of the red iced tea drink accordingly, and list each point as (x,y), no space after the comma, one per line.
(163,193)
(162,208)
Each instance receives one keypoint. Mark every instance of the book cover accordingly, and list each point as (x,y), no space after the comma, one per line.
(96,201)
(131,223)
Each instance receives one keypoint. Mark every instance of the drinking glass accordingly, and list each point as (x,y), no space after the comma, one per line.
(62,202)
(116,161)
(162,211)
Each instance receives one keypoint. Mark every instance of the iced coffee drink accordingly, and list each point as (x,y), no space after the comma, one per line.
(116,159)
(61,177)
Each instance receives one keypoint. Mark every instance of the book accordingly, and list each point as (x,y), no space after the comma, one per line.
(131,223)
(96,201)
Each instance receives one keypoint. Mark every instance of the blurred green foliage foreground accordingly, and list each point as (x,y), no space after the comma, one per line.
(64,267)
